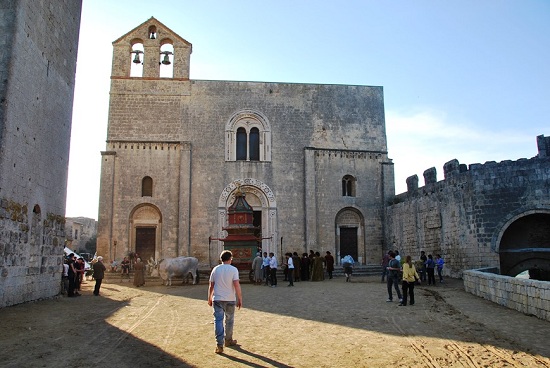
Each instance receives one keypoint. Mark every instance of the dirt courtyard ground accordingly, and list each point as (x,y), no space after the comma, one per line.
(314,324)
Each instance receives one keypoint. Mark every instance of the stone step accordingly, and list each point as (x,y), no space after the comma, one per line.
(361,270)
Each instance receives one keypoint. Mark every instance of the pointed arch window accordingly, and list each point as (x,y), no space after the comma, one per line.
(348,186)
(147,187)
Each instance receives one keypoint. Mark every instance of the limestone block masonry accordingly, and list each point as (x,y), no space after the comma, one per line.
(530,297)
(37,67)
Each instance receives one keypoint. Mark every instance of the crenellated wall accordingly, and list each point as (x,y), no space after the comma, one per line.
(464,216)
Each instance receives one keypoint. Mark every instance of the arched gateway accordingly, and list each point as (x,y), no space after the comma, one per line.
(260,197)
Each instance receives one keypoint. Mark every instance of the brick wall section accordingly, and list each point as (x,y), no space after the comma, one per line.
(36,98)
(530,297)
(463,216)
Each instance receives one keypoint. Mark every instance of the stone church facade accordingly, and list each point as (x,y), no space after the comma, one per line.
(312,159)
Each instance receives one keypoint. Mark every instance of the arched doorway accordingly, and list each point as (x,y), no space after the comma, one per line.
(260,197)
(349,234)
(525,246)
(145,232)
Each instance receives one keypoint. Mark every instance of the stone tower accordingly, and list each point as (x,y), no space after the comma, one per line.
(311,159)
(37,68)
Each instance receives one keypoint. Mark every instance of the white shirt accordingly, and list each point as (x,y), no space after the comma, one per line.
(273,262)
(290,262)
(223,276)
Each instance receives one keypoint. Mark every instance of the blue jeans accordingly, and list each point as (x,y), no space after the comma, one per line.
(393,281)
(222,309)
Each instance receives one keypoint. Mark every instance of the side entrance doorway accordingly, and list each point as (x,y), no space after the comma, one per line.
(348,242)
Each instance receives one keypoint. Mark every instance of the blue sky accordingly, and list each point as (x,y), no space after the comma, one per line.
(462,79)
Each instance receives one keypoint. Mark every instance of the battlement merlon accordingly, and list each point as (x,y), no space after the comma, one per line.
(543,145)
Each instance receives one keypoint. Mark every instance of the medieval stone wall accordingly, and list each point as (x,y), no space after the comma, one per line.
(463,217)
(39,47)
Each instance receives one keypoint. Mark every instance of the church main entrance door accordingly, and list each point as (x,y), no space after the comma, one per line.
(145,242)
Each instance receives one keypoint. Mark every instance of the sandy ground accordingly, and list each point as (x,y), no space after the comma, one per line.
(314,324)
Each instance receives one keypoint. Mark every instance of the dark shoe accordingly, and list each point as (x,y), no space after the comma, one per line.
(230,342)
(402,305)
(219,349)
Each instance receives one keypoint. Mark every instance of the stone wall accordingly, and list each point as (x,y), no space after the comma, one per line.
(530,297)
(39,42)
(464,216)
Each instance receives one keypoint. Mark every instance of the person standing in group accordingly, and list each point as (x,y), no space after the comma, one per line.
(384,264)
(394,269)
(317,271)
(410,276)
(273,269)
(304,267)
(79,267)
(99,274)
(224,293)
(439,262)
(297,266)
(257,268)
(423,258)
(125,265)
(65,278)
(265,265)
(329,261)
(290,268)
(72,276)
(139,273)
(430,270)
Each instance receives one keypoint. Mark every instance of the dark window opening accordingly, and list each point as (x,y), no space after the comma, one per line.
(241,144)
(147,187)
(254,144)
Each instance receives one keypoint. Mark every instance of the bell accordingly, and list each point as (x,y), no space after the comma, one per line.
(136,59)
(166,60)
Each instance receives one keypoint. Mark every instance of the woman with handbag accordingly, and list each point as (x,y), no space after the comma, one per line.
(410,276)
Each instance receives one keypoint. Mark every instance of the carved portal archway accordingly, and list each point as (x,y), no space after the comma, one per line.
(260,197)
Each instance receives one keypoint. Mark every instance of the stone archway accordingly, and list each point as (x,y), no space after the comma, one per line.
(525,245)
(350,230)
(145,232)
(261,199)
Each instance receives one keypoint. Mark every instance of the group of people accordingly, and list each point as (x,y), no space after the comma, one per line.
(73,274)
(407,274)
(308,267)
(136,264)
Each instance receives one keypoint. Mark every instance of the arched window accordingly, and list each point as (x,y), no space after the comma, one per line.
(348,186)
(254,140)
(137,55)
(248,137)
(241,144)
(147,187)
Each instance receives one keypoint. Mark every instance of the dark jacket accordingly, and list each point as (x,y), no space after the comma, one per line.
(99,270)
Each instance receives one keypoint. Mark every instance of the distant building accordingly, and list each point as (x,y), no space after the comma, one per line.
(78,231)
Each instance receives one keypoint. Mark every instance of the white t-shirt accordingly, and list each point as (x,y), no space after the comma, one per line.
(223,276)
(290,262)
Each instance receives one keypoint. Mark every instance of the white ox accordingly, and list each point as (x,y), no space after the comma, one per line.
(179,267)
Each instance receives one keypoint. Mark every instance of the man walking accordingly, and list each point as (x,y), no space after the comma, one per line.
(99,273)
(224,293)
(394,267)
